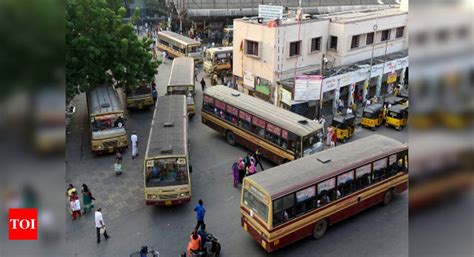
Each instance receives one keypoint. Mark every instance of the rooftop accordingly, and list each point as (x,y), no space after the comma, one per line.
(361,15)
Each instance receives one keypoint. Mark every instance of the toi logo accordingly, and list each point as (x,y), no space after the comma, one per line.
(23,224)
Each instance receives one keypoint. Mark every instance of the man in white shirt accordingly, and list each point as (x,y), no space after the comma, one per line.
(99,223)
(134,139)
(75,208)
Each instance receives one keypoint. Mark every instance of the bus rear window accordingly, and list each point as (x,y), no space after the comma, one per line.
(166,172)
(255,203)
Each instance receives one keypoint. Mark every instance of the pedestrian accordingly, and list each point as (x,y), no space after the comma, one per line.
(87,198)
(340,106)
(118,168)
(247,160)
(214,79)
(200,212)
(223,80)
(349,110)
(203,84)
(258,157)
(322,121)
(163,57)
(251,169)
(241,166)
(134,139)
(75,205)
(70,191)
(100,225)
(367,101)
(154,92)
(235,173)
(354,108)
(334,139)
(329,136)
(213,44)
(118,156)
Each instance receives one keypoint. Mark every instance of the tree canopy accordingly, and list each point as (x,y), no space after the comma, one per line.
(100,48)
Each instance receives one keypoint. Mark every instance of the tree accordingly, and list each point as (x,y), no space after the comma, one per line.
(101,49)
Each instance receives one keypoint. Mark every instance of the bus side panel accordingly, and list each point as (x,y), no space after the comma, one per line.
(291,238)
(213,125)
(402,187)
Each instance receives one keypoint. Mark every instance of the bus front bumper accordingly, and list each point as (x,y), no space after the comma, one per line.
(109,145)
(140,103)
(168,202)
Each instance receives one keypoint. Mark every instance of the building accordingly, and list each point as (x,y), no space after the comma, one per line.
(267,52)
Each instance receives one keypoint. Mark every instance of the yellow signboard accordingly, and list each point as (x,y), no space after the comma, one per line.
(392,77)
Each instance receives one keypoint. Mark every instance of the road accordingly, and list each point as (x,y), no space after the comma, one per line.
(379,231)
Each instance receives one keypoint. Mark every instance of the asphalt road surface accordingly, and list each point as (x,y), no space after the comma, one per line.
(379,231)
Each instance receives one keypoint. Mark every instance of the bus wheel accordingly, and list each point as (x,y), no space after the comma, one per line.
(230,137)
(387,198)
(320,229)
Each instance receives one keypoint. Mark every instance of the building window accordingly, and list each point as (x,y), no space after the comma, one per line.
(400,32)
(333,43)
(295,48)
(355,42)
(385,35)
(251,48)
(315,44)
(370,38)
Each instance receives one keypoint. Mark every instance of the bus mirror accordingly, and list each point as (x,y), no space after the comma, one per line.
(190,169)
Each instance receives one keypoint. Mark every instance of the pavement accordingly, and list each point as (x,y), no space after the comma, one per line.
(379,231)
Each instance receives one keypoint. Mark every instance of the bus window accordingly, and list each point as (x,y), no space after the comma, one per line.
(362,177)
(345,183)
(310,144)
(305,200)
(288,203)
(326,191)
(254,202)
(378,172)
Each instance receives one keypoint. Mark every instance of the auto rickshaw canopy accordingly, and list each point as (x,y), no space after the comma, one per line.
(393,100)
(343,121)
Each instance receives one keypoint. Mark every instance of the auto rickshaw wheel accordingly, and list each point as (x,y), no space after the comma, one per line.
(344,140)
(398,128)
(373,128)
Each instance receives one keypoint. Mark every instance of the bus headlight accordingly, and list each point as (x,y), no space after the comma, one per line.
(152,196)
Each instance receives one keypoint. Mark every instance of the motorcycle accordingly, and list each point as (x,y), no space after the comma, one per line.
(146,252)
(211,249)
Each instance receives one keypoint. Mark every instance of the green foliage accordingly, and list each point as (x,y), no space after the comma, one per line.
(100,49)
(31,45)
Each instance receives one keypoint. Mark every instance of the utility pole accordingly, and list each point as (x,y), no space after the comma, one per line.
(324,60)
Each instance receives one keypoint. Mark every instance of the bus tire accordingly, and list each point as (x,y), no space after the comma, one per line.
(387,198)
(320,229)
(230,137)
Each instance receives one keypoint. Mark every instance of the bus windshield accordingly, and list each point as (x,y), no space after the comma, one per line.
(141,90)
(253,199)
(107,125)
(310,144)
(166,172)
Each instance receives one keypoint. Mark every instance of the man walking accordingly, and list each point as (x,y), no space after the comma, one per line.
(134,139)
(203,84)
(258,155)
(200,212)
(100,225)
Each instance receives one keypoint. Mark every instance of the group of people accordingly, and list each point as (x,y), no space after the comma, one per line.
(246,166)
(198,237)
(75,207)
(77,210)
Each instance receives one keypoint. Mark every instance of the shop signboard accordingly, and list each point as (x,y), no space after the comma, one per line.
(270,11)
(262,86)
(249,80)
(307,87)
(392,78)
(285,96)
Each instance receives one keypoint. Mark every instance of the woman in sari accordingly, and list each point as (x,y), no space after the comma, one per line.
(87,199)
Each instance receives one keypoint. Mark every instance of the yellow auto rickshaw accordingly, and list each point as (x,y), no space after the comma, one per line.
(372,116)
(343,126)
(397,116)
(393,100)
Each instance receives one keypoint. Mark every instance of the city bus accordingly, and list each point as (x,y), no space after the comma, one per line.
(304,197)
(181,82)
(139,98)
(107,121)
(218,60)
(166,164)
(282,135)
(177,45)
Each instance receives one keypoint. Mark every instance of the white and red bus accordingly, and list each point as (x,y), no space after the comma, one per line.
(304,197)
